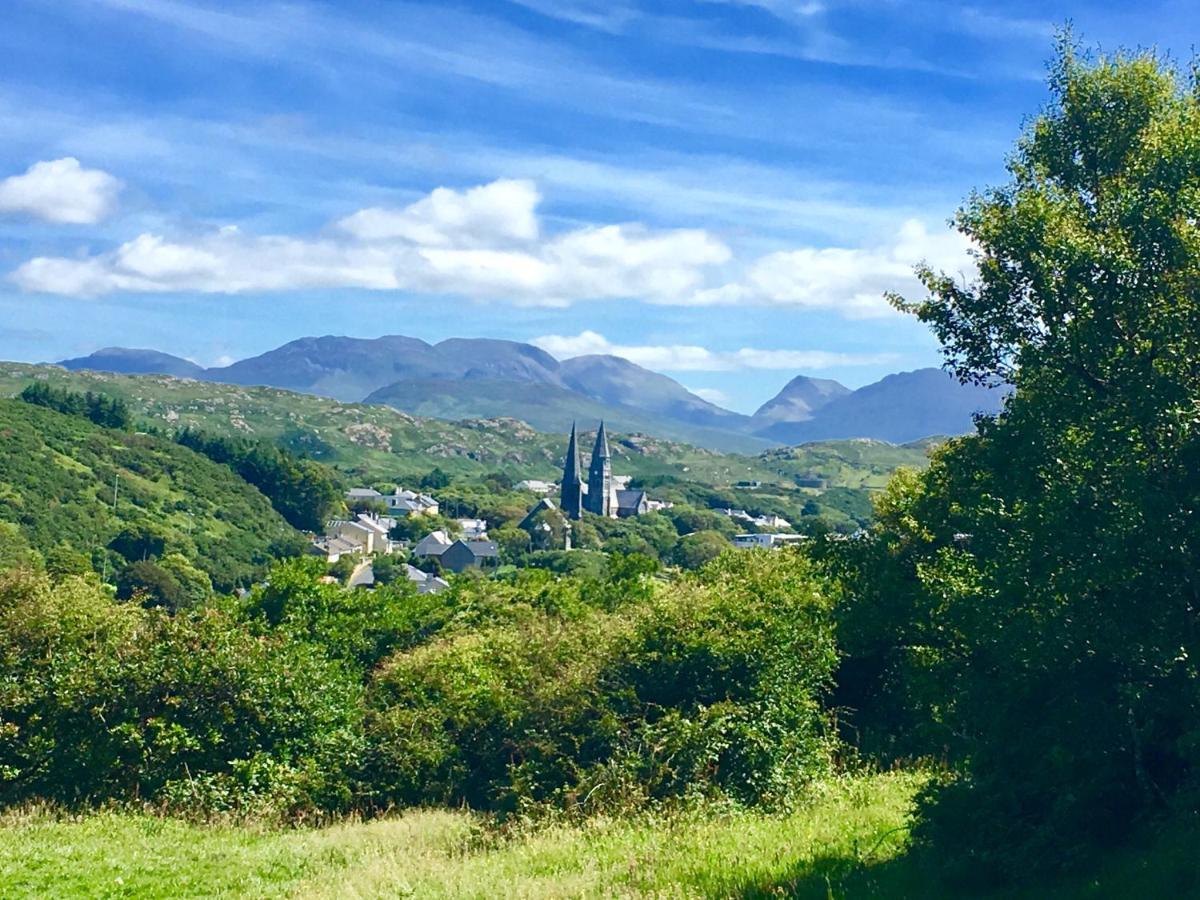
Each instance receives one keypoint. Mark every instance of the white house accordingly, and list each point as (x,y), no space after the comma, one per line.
(772,522)
(765,541)
(536,486)
(473,529)
(410,503)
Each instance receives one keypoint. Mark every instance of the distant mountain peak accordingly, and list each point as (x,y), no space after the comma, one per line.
(799,399)
(135,361)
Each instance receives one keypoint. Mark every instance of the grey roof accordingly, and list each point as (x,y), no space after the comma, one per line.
(630,499)
(482,548)
(378,525)
(425,582)
(363,493)
(433,544)
(335,545)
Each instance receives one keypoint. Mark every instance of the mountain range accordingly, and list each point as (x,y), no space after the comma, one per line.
(465,378)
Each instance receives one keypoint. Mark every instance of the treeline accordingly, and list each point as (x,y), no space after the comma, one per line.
(106,411)
(303,491)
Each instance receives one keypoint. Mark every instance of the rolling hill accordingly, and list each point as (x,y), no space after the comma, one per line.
(477,377)
(57,478)
(378,443)
(545,407)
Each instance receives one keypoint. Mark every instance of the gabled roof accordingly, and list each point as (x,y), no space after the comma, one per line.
(630,499)
(379,526)
(433,544)
(481,549)
(363,494)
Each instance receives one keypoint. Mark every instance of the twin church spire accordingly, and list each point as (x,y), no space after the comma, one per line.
(598,498)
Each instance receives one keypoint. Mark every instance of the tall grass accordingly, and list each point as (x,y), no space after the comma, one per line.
(848,840)
(702,852)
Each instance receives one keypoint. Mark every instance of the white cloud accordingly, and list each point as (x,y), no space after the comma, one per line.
(60,190)
(482,243)
(850,281)
(488,243)
(501,212)
(691,358)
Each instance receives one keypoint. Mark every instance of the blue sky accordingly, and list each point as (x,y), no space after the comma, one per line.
(717,189)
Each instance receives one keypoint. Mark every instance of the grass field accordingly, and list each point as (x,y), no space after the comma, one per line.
(847,842)
(451,854)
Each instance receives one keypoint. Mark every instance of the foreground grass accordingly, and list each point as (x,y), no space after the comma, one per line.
(846,842)
(448,854)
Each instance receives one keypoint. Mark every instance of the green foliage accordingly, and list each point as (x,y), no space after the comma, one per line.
(710,686)
(149,584)
(100,699)
(108,412)
(435,480)
(304,492)
(355,626)
(1028,603)
(57,476)
(698,548)
(414,527)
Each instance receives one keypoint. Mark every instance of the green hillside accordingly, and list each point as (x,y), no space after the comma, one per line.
(377,443)
(57,475)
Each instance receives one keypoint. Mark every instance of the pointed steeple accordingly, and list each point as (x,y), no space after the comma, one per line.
(601,448)
(571,491)
(599,498)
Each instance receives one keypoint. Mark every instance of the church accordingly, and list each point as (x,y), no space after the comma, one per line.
(599,495)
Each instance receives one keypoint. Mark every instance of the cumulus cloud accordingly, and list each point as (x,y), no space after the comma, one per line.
(482,243)
(687,357)
(488,243)
(62,191)
(504,211)
(850,281)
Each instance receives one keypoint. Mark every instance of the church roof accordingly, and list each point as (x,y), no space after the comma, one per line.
(601,448)
(571,470)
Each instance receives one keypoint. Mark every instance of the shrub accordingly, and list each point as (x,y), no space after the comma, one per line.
(102,700)
(712,685)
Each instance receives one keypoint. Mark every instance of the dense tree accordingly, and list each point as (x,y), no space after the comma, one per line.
(304,492)
(109,412)
(1042,575)
(435,480)
(694,550)
(151,585)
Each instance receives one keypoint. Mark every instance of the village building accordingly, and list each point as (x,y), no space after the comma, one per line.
(766,541)
(463,555)
(535,486)
(473,529)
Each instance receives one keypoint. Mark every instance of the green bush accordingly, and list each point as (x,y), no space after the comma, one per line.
(102,700)
(712,685)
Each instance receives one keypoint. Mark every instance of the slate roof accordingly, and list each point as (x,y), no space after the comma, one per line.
(630,499)
(482,549)
(433,544)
